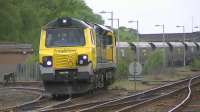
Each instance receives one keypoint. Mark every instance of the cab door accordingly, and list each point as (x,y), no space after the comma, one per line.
(93,45)
(108,42)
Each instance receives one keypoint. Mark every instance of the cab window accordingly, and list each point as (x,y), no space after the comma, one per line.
(107,40)
(63,37)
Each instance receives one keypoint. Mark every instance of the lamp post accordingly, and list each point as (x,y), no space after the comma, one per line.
(138,40)
(183,28)
(137,22)
(163,40)
(111,13)
(117,19)
(196,27)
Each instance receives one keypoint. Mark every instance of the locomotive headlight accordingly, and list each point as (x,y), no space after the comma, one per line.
(64,21)
(83,59)
(47,61)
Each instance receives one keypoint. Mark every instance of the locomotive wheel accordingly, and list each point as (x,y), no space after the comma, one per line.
(100,80)
(109,78)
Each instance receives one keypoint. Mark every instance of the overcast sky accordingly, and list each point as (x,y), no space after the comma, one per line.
(151,12)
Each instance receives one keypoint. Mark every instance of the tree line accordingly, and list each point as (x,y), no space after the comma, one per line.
(21,20)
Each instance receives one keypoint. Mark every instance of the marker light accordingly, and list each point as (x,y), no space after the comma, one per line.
(81,62)
(83,59)
(47,61)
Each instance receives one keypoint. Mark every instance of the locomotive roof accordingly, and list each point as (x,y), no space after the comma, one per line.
(66,22)
(104,27)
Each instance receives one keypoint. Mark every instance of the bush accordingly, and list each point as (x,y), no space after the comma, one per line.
(154,62)
(195,63)
(123,64)
(122,69)
(32,59)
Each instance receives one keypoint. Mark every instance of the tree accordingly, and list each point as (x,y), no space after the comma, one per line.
(21,20)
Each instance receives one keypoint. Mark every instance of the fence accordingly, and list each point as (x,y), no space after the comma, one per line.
(23,72)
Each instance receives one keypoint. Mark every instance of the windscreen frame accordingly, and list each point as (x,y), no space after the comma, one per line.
(53,46)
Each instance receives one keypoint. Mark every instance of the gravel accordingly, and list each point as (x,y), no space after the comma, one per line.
(12,97)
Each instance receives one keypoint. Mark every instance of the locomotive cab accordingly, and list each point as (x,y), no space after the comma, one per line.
(66,53)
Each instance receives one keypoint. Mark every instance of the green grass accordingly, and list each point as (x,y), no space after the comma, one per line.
(129,85)
(195,64)
(150,81)
(154,62)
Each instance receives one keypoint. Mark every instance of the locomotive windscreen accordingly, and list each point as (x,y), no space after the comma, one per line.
(64,37)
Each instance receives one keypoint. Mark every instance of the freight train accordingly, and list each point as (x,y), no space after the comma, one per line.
(174,51)
(76,56)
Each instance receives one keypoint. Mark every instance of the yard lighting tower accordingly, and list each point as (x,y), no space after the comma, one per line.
(137,22)
(183,28)
(196,27)
(138,40)
(163,40)
(111,13)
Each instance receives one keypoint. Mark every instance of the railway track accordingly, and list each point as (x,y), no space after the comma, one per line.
(75,107)
(36,91)
(22,83)
(45,103)
(39,90)
(193,103)
(186,105)
(139,100)
(123,104)
(168,102)
(42,102)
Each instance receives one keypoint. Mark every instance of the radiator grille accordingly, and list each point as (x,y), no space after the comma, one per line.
(65,60)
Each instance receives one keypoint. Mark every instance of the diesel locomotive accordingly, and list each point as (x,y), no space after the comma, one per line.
(76,56)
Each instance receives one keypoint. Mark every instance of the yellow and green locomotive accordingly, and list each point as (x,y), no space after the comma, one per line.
(76,56)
